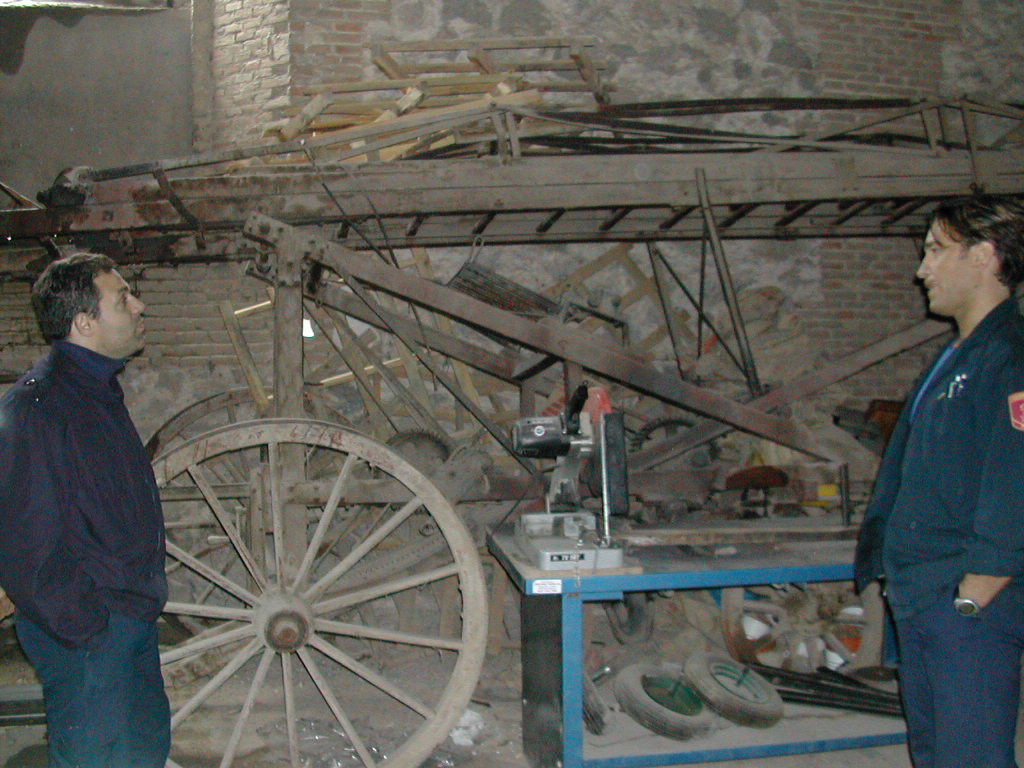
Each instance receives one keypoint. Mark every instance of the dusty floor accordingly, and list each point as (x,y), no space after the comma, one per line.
(493,738)
(498,745)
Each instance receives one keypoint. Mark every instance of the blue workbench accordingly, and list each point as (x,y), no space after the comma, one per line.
(553,645)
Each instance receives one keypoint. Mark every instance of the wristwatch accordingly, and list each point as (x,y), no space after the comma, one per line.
(965,606)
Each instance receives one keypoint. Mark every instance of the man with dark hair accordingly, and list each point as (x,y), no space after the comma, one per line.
(81,529)
(945,526)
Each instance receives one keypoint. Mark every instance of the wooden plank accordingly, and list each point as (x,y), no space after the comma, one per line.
(386,63)
(349,376)
(358,367)
(588,270)
(509,65)
(245,358)
(436,84)
(748,532)
(411,46)
(297,124)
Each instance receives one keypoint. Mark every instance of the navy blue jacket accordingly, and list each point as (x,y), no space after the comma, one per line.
(81,529)
(949,497)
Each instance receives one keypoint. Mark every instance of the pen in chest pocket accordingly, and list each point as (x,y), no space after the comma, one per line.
(955,387)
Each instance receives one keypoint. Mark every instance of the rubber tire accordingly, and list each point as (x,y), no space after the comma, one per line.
(632,618)
(595,711)
(755,702)
(635,701)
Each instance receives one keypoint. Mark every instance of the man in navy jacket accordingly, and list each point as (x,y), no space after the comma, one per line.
(81,529)
(945,526)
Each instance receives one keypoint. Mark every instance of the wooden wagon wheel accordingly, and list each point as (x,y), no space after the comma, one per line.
(286,641)
(228,407)
(802,627)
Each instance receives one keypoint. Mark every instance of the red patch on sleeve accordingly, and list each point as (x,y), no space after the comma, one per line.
(1016,401)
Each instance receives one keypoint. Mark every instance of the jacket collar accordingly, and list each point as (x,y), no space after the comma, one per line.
(90,370)
(1004,312)
(93,363)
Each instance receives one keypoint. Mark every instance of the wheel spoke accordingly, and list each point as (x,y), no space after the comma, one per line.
(337,490)
(210,587)
(390,635)
(356,554)
(216,682)
(290,718)
(200,644)
(209,611)
(355,518)
(373,678)
(276,510)
(334,604)
(221,514)
(332,702)
(243,716)
(209,573)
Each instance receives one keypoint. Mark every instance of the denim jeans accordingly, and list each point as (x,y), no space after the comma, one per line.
(960,683)
(105,704)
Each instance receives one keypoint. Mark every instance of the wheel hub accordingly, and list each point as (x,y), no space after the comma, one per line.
(285,622)
(286,632)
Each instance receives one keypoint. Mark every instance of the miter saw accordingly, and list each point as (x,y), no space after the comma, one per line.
(566,536)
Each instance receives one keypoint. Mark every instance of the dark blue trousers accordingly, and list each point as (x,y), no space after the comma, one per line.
(960,683)
(105,705)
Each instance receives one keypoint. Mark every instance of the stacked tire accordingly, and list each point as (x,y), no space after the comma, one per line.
(688,701)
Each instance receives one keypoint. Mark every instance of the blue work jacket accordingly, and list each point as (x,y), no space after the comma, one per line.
(81,528)
(949,497)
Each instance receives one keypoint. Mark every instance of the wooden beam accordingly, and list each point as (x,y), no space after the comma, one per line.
(599,356)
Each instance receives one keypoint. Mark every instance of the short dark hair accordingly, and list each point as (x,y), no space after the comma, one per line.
(65,288)
(993,218)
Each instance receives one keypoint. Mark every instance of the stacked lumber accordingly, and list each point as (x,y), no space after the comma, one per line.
(436,94)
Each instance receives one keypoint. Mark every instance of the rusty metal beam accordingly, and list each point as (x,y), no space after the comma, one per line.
(602,357)
(739,328)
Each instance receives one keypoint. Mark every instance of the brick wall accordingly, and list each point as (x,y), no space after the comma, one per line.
(867,292)
(184,322)
(252,58)
(20,340)
(241,69)
(188,353)
(881,47)
(328,40)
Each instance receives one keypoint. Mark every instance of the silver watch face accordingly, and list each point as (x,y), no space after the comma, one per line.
(965,606)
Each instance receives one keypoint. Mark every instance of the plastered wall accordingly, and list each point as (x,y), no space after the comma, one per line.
(91,88)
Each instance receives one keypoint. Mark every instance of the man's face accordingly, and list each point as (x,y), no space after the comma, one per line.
(949,276)
(118,328)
